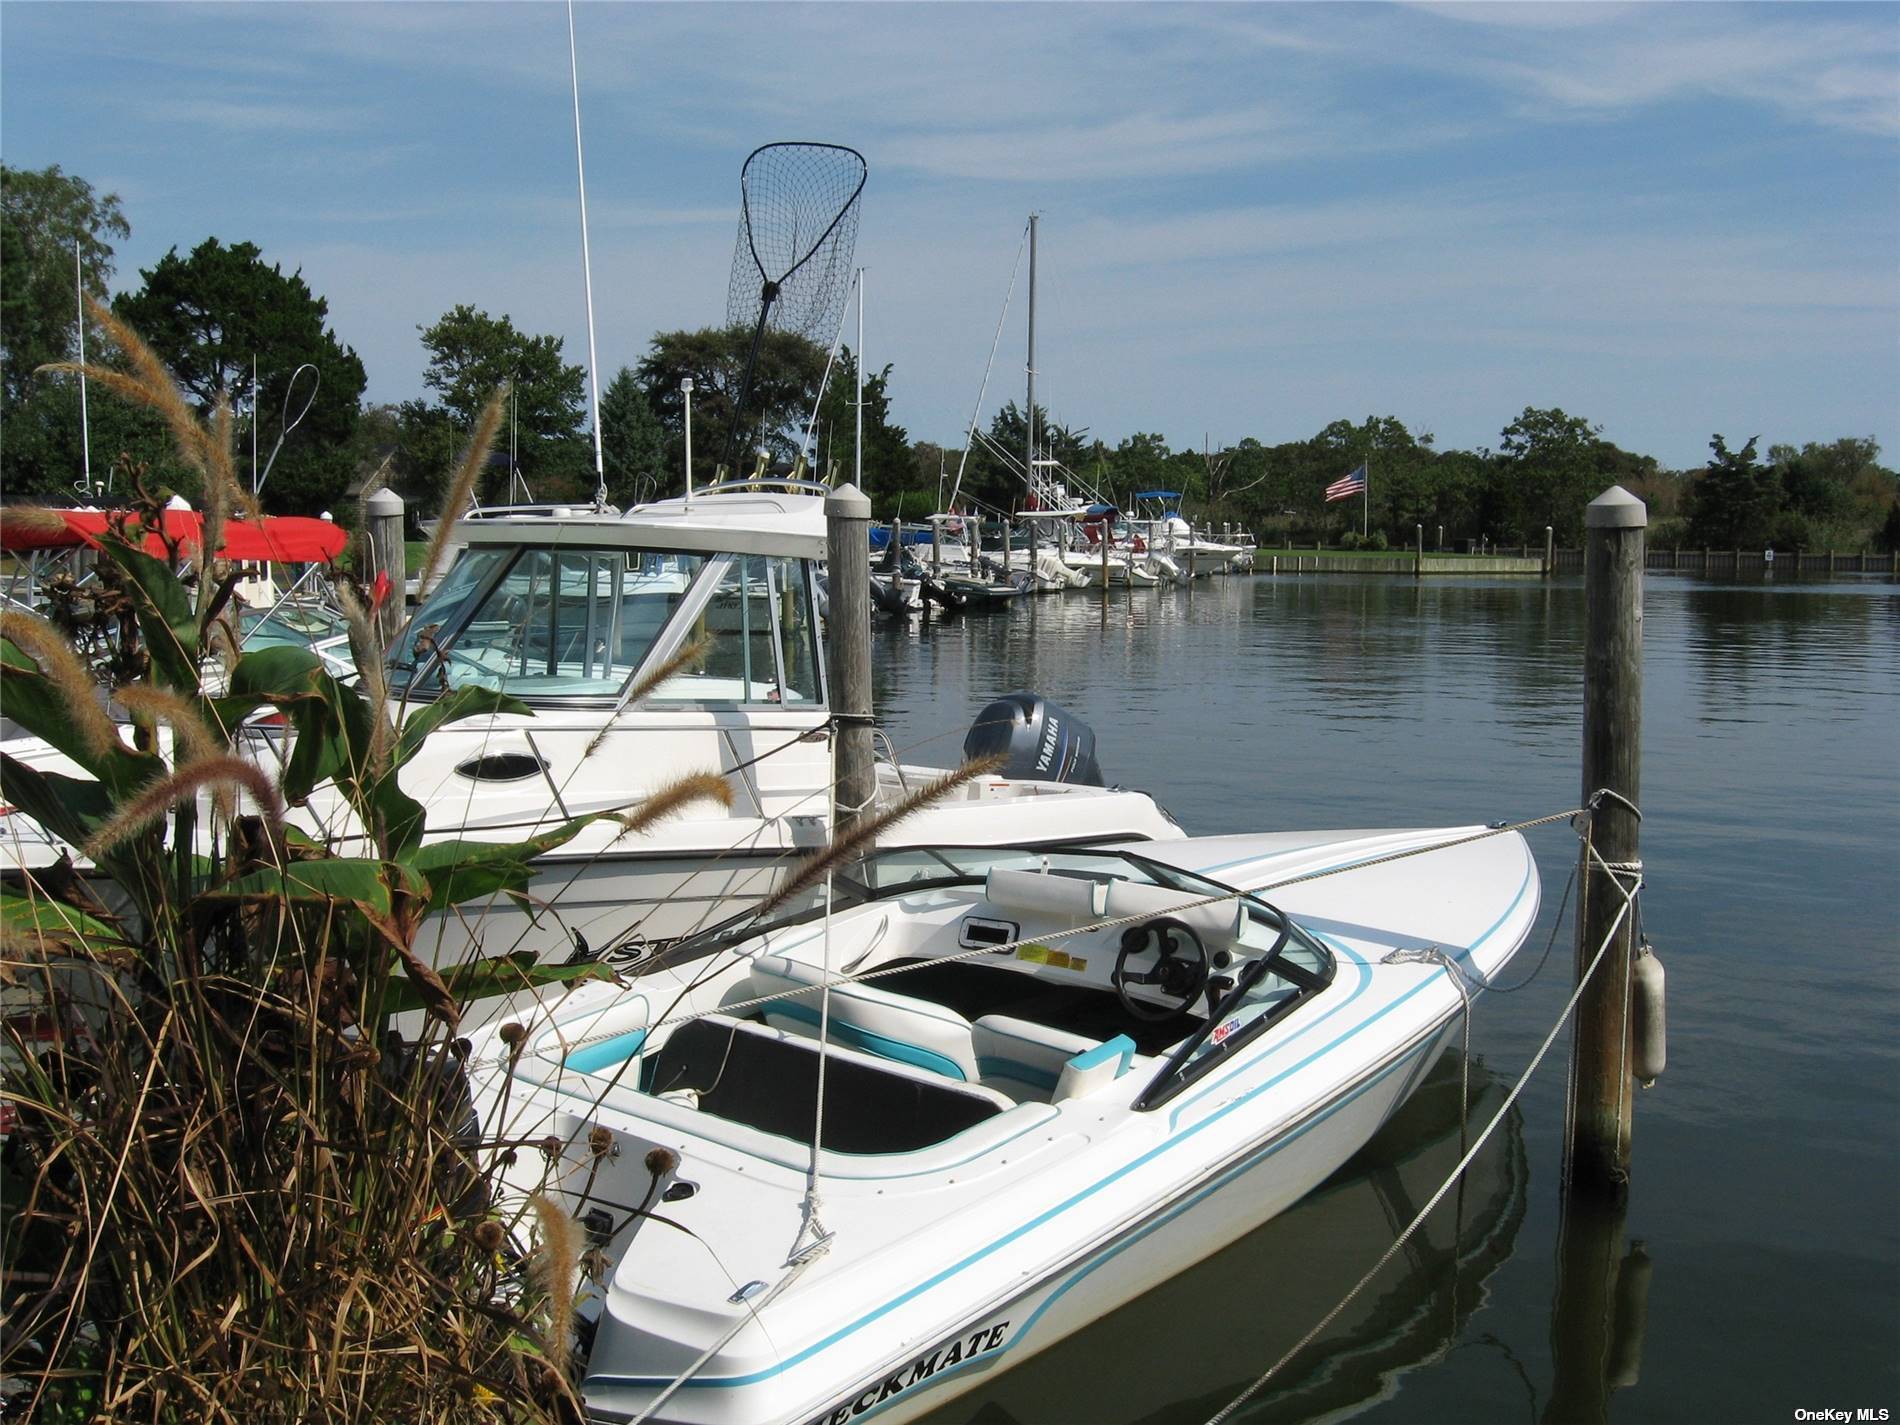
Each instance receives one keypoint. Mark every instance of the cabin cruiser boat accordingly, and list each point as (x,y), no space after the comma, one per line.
(852,1158)
(572,613)
(1169,536)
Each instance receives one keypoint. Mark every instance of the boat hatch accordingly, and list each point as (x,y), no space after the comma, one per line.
(556,622)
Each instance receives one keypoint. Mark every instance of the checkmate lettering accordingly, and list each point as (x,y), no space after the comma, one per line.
(950,1353)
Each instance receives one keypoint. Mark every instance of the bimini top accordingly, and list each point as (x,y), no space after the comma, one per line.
(279,539)
(732,518)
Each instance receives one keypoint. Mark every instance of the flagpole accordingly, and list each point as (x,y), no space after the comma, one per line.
(1365,508)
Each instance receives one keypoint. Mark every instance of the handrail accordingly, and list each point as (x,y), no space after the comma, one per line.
(816,487)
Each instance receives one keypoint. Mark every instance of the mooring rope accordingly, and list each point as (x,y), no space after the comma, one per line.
(1629,894)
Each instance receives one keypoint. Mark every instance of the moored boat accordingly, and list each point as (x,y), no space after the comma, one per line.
(849,1164)
(577,614)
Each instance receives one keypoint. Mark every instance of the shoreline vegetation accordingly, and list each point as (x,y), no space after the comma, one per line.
(1548,462)
(230,1189)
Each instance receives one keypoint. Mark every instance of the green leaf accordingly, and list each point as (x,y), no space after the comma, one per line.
(163,609)
(452,707)
(498,975)
(460,871)
(39,705)
(357,880)
(71,808)
(39,917)
(280,676)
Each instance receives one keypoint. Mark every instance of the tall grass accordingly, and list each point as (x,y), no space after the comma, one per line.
(231,1191)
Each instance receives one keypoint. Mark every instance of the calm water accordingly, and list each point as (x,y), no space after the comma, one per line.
(1765,1208)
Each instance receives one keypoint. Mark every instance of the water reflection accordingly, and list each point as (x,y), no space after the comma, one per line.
(1766,1160)
(1599,1314)
(1747,642)
(1186,1349)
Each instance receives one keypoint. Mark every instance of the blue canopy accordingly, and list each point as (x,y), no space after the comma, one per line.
(881,536)
(1157,494)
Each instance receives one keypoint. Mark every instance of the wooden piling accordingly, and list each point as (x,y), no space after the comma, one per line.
(848,652)
(382,529)
(1602,1087)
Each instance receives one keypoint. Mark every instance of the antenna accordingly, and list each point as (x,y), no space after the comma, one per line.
(85,429)
(858,443)
(587,270)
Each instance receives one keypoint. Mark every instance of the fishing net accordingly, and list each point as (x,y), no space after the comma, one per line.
(798,229)
(791,267)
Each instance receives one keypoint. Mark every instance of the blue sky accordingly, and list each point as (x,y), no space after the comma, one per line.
(1673,220)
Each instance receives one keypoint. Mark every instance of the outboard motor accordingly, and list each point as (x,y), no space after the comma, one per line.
(888,597)
(1037,739)
(943,595)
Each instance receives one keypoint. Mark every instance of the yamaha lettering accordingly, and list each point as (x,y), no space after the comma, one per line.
(951,1353)
(1047,756)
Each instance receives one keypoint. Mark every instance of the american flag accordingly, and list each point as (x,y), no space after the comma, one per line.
(1346,486)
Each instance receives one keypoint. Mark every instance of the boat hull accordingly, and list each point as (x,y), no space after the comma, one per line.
(922,1366)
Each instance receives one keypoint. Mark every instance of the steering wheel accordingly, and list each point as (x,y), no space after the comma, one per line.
(1179,970)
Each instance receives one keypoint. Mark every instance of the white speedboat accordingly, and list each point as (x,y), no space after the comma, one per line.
(1050,1081)
(574,613)
(1168,536)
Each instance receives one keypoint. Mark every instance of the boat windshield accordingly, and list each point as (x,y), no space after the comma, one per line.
(884,875)
(539,621)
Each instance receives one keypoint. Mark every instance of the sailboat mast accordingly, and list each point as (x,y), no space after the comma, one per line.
(1029,411)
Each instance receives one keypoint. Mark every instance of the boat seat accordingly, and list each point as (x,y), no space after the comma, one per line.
(892,1026)
(1023,1058)
(1095,1069)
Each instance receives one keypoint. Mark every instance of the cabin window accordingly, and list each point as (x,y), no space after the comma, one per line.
(543,622)
(763,642)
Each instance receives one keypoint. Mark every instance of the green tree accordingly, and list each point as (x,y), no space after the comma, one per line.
(784,388)
(1734,501)
(1138,462)
(1835,495)
(1547,475)
(43,214)
(887,461)
(471,354)
(994,472)
(633,442)
(212,317)
(427,445)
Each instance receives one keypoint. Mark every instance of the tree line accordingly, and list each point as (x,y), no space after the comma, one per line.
(230,324)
